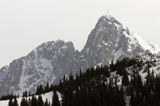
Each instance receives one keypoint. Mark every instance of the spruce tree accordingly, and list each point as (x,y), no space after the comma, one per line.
(24,102)
(34,101)
(46,103)
(125,80)
(10,102)
(25,94)
(40,101)
(15,102)
(47,88)
(55,99)
(40,90)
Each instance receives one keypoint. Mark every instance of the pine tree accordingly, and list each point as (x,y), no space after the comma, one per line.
(55,100)
(125,80)
(47,88)
(34,101)
(40,101)
(40,90)
(24,102)
(10,102)
(25,94)
(46,103)
(15,102)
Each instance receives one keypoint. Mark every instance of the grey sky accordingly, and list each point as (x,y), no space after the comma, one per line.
(24,24)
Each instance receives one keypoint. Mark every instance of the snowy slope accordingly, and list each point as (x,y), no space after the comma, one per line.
(44,97)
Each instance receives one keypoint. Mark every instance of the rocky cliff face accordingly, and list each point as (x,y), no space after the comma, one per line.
(108,41)
(46,63)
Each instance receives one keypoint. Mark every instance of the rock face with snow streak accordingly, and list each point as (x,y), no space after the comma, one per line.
(108,41)
(46,63)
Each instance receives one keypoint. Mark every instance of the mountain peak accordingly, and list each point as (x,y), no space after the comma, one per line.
(108,17)
(116,42)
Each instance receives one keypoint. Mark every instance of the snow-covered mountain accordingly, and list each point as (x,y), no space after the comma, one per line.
(108,41)
(46,63)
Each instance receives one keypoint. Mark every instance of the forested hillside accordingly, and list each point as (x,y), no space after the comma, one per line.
(119,84)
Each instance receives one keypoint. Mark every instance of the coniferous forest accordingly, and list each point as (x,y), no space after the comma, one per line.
(118,84)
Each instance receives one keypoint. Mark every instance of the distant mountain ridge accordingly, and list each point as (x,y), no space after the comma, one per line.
(108,41)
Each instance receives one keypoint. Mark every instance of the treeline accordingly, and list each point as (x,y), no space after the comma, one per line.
(35,101)
(100,86)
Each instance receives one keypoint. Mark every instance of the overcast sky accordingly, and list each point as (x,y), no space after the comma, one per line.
(25,24)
